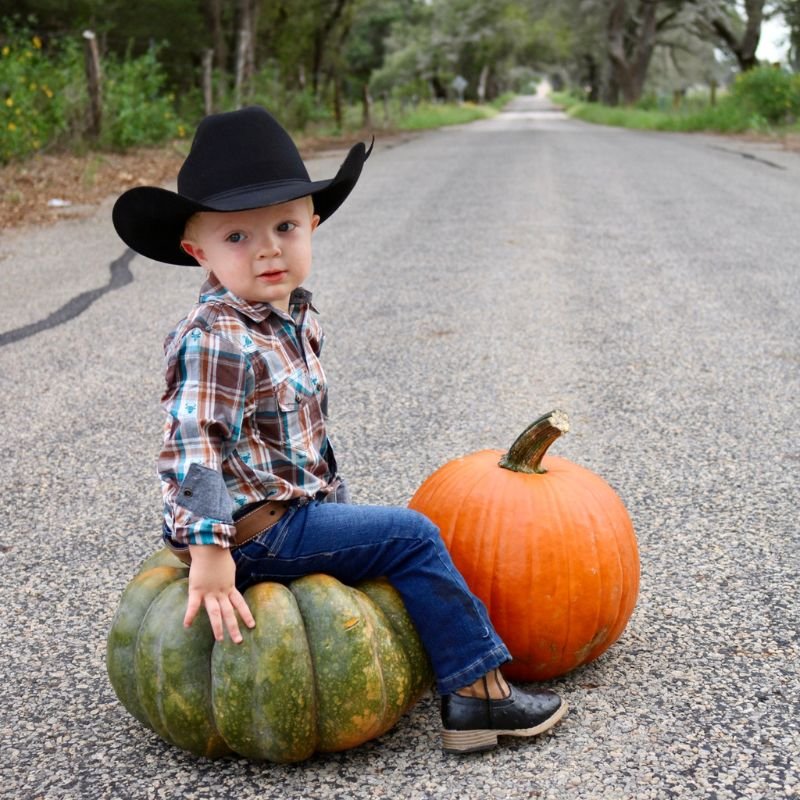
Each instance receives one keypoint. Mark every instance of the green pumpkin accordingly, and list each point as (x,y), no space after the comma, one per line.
(326,668)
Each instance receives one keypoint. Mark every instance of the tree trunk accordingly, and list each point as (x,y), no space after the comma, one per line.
(366,101)
(245,50)
(219,41)
(338,115)
(483,81)
(208,81)
(631,41)
(745,48)
(437,88)
(589,76)
(251,55)
(320,41)
(241,58)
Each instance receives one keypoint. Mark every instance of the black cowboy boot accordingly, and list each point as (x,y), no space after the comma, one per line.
(474,723)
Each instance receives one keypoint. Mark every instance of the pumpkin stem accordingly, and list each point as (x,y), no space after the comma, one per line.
(527,452)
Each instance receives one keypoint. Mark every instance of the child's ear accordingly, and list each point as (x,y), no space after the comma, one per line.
(314,222)
(195,252)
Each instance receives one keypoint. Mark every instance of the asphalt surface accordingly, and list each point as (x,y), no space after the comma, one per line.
(477,277)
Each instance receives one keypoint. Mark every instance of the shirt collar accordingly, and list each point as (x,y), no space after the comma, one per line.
(212,289)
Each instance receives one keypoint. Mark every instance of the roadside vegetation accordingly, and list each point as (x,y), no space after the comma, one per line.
(762,100)
(340,68)
(435,115)
(44,100)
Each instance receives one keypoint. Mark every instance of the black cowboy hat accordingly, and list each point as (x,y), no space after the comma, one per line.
(238,160)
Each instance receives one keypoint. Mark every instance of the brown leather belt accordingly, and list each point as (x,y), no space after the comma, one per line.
(248,526)
(254,522)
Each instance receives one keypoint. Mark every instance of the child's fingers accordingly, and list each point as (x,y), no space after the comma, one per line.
(215,616)
(192,607)
(221,614)
(240,604)
(231,623)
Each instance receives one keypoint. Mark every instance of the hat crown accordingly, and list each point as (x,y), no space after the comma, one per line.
(238,160)
(238,149)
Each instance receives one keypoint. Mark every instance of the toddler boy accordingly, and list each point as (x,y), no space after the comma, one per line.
(249,478)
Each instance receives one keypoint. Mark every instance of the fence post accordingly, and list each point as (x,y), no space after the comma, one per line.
(208,81)
(94,80)
(366,99)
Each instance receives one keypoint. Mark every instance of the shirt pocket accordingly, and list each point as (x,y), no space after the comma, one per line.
(286,417)
(296,391)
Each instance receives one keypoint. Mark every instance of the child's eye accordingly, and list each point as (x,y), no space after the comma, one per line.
(235,238)
(285,227)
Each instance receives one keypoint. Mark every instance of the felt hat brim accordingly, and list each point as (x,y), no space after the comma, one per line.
(151,220)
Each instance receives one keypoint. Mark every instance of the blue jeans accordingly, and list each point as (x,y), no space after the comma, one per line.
(353,543)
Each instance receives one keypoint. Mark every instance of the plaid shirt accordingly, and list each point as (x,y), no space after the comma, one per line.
(245,405)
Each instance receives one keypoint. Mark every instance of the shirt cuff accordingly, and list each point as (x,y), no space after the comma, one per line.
(188,528)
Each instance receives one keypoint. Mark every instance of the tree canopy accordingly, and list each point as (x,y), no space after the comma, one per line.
(328,51)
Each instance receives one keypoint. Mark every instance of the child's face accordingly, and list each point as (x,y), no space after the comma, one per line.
(260,255)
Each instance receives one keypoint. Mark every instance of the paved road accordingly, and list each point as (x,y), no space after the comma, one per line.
(646,283)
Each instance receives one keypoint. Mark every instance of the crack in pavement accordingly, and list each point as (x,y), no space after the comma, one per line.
(121,275)
(743,154)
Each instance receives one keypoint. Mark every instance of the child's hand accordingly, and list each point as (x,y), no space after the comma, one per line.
(212,583)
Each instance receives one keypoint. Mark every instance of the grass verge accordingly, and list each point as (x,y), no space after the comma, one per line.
(724,117)
(430,115)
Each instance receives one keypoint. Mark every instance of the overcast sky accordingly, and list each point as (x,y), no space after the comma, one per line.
(774,42)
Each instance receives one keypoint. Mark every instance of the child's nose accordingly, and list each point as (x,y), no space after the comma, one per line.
(268,246)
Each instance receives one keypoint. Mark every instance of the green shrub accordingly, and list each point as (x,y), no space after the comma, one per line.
(41,95)
(649,102)
(727,116)
(44,101)
(295,108)
(767,92)
(136,109)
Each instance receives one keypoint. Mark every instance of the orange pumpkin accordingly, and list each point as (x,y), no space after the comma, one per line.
(546,544)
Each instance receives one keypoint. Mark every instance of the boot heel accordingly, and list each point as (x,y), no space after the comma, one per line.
(468,741)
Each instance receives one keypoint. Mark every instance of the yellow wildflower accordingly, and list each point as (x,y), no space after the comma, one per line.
(6,50)
(37,42)
(48,91)
(12,126)
(9,101)
(33,87)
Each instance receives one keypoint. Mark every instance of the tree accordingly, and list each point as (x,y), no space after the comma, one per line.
(721,19)
(367,46)
(491,44)
(632,35)
(791,14)
(127,28)
(245,49)
(330,15)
